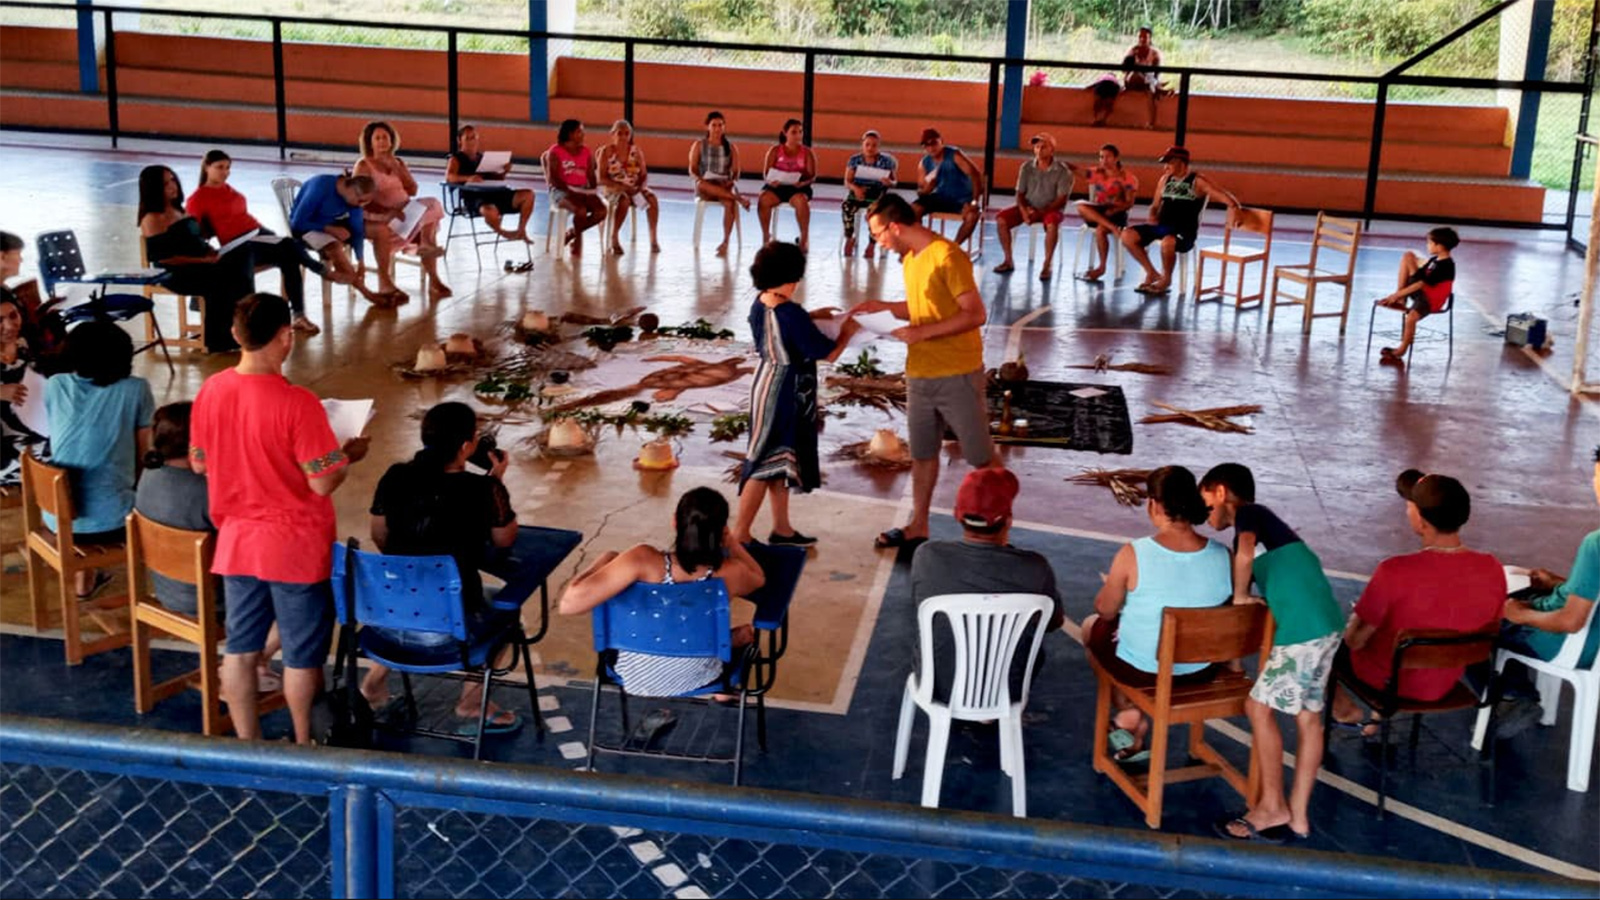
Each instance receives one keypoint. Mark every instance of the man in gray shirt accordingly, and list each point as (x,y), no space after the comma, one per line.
(1043,185)
(982,562)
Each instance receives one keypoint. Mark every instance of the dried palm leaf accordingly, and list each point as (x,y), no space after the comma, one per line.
(1139,367)
(1127,485)
(1216,418)
(862,452)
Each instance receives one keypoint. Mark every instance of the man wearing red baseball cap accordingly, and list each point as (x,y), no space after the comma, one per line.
(982,562)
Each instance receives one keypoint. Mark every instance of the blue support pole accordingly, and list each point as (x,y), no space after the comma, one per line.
(538,62)
(88,64)
(1538,53)
(1011,97)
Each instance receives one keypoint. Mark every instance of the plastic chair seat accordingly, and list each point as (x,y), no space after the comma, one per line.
(380,648)
(700,204)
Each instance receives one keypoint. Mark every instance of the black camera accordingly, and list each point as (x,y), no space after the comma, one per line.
(483,457)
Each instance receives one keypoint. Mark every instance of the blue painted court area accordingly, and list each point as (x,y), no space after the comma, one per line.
(1439,812)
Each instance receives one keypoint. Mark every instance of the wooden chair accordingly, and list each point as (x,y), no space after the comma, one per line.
(183,556)
(1422,649)
(1247,219)
(45,489)
(1333,235)
(1207,635)
(189,337)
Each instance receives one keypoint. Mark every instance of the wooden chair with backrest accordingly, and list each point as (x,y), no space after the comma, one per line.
(46,489)
(1206,635)
(1423,649)
(1333,236)
(190,337)
(1246,219)
(183,556)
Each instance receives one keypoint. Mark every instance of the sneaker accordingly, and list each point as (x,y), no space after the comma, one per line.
(797,539)
(1513,717)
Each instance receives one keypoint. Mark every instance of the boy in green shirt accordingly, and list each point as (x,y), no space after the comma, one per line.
(1309,623)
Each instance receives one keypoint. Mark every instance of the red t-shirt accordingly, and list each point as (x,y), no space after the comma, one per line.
(259,437)
(1460,590)
(222,209)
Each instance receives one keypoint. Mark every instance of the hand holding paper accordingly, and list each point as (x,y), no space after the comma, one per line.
(778,176)
(348,418)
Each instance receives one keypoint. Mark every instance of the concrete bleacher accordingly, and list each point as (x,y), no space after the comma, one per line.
(1438,159)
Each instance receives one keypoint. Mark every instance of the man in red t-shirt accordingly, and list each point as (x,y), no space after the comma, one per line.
(271,461)
(1444,586)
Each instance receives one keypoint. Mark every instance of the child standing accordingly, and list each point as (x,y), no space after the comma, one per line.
(1309,623)
(1424,289)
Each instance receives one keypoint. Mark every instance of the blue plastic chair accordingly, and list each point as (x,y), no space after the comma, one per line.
(678,620)
(422,594)
(61,262)
(782,564)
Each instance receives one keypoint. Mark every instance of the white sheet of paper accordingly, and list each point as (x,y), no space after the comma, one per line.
(1516,576)
(31,412)
(316,240)
(348,418)
(776,176)
(871,173)
(493,161)
(406,223)
(146,272)
(225,248)
(1087,393)
(881,322)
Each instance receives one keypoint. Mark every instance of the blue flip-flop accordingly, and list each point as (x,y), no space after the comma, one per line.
(469,728)
(895,538)
(1265,835)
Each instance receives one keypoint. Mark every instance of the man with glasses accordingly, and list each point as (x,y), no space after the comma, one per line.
(944,356)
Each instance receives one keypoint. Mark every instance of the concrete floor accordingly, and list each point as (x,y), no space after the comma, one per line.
(1335,428)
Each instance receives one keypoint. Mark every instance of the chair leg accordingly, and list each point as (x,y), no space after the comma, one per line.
(594,717)
(933,766)
(41,608)
(1019,783)
(738,741)
(212,721)
(902,739)
(761,722)
(1416,733)
(533,690)
(143,699)
(483,710)
(71,624)
(411,697)
(1383,762)
(1155,785)
(1580,753)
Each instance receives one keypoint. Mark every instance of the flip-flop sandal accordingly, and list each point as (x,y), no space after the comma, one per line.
(268,682)
(494,724)
(101,579)
(1367,727)
(1266,836)
(522,267)
(896,538)
(1092,279)
(1004,269)
(655,723)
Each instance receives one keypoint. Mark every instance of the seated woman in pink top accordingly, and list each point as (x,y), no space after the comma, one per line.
(569,169)
(791,156)
(395,189)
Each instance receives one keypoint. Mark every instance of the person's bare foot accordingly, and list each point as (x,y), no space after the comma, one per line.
(1094,274)
(305,326)
(570,237)
(655,247)
(616,248)
(722,249)
(437,291)
(744,203)
(430,252)
(850,247)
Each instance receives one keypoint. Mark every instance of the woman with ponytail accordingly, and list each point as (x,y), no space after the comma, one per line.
(1175,567)
(702,549)
(432,506)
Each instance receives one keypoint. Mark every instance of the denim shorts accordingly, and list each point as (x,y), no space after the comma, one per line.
(304,613)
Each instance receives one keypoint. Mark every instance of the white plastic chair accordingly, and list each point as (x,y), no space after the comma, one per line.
(772,222)
(988,631)
(1183,260)
(556,224)
(613,204)
(286,189)
(700,204)
(1585,700)
(1086,239)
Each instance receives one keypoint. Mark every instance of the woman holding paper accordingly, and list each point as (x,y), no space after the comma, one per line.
(393,206)
(172,242)
(782,453)
(790,168)
(223,214)
(867,175)
(714,166)
(484,186)
(622,180)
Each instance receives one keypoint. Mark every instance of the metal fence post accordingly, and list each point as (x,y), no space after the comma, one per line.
(1378,112)
(354,826)
(809,99)
(989,127)
(1181,128)
(452,80)
(627,83)
(111,79)
(280,99)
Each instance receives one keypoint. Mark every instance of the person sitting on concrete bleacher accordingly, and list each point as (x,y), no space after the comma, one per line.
(860,191)
(487,191)
(396,191)
(1445,585)
(1149,83)
(1043,185)
(569,170)
(949,183)
(982,562)
(1425,287)
(1174,218)
(1175,567)
(793,159)
(1112,190)
(328,213)
(623,180)
(714,166)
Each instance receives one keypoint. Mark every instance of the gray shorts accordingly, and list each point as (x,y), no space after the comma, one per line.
(956,401)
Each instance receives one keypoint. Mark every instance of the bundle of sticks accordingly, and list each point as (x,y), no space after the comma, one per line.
(884,392)
(1127,485)
(1140,367)
(1216,418)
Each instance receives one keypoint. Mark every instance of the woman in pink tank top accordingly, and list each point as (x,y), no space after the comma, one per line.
(384,215)
(569,170)
(787,159)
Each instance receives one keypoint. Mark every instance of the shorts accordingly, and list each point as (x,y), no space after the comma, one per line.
(1101,642)
(559,196)
(304,613)
(1530,641)
(1011,217)
(936,203)
(1119,219)
(1106,89)
(1149,233)
(1418,303)
(1295,677)
(503,199)
(956,401)
(786,192)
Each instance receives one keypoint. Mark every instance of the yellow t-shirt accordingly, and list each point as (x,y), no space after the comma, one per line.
(934,278)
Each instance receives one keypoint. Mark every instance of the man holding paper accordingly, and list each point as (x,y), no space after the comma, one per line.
(944,359)
(272,462)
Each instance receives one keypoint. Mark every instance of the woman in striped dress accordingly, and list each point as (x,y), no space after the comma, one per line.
(782,453)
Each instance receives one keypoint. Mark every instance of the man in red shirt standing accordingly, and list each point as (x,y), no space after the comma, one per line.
(271,461)
(1443,586)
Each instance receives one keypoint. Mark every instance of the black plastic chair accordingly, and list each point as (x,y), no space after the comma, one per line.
(1449,312)
(459,204)
(61,262)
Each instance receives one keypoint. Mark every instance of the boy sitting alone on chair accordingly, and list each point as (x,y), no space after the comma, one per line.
(1424,289)
(1294,680)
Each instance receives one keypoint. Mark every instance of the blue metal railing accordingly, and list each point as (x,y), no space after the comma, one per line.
(404,825)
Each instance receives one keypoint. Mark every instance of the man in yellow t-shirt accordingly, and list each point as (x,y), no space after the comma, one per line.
(944,356)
